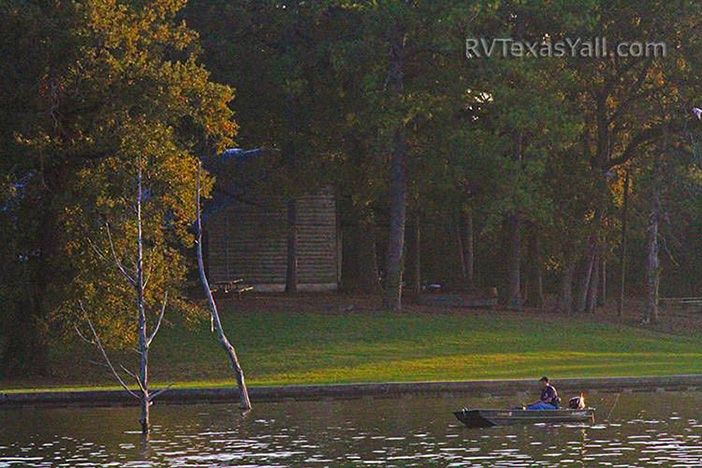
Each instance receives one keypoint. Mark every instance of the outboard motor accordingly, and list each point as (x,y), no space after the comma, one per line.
(577,402)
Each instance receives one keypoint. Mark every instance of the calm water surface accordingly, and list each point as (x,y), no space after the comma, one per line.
(662,429)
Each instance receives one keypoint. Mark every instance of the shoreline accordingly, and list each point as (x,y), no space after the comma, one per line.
(482,388)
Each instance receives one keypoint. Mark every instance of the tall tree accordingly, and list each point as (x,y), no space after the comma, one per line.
(36,47)
(406,49)
(275,55)
(126,85)
(136,279)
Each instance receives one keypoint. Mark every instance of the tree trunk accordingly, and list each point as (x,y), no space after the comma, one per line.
(622,254)
(396,238)
(514,290)
(535,297)
(592,292)
(466,249)
(469,255)
(417,263)
(653,262)
(525,270)
(652,271)
(565,296)
(460,247)
(585,279)
(144,404)
(244,401)
(398,187)
(514,285)
(291,270)
(368,256)
(602,296)
(141,311)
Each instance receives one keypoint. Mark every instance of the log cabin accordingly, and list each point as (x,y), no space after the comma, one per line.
(247,238)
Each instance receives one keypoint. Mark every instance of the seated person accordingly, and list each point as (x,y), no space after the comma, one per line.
(549,397)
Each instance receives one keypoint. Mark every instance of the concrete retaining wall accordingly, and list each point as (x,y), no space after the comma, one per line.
(349,391)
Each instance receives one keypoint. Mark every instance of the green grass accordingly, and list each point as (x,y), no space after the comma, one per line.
(279,348)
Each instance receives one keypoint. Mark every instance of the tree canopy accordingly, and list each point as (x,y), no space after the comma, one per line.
(504,171)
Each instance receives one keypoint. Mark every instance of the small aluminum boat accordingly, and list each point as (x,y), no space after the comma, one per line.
(496,417)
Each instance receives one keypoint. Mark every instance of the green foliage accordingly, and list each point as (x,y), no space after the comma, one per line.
(127,89)
(99,85)
(498,136)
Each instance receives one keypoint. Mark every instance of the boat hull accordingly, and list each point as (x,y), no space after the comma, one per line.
(492,417)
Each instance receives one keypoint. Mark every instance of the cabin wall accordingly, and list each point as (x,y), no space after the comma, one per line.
(248,241)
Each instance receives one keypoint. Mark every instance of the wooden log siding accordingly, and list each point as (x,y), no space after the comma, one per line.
(248,241)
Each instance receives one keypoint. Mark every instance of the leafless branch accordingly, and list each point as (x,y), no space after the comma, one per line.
(147,274)
(95,249)
(101,364)
(157,393)
(135,377)
(160,319)
(82,336)
(101,348)
(664,242)
(116,259)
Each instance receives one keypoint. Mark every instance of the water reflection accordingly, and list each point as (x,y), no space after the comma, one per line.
(643,429)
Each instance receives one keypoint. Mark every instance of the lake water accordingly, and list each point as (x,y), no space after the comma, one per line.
(643,429)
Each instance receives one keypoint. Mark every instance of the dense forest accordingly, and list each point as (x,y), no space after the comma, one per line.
(551,178)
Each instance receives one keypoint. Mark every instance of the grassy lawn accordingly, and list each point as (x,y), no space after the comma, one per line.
(282,348)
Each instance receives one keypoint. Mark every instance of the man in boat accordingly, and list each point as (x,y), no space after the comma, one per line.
(549,397)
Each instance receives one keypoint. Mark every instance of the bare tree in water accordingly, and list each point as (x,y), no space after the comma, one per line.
(244,402)
(137,281)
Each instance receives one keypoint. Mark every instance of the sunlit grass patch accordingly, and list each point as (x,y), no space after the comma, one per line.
(278,348)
